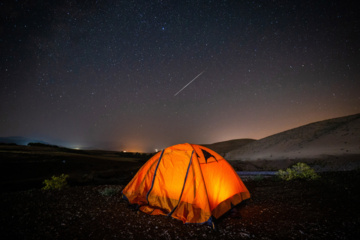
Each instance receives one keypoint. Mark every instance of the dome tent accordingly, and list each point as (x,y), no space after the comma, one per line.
(188,182)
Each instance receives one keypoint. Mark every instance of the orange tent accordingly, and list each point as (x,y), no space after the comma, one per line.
(188,182)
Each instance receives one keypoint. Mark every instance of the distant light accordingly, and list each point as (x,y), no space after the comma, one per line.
(156,150)
(124,151)
(77,148)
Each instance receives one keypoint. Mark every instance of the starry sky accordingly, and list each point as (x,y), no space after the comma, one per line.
(107,74)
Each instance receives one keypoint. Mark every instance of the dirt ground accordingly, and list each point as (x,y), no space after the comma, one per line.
(327,208)
(323,209)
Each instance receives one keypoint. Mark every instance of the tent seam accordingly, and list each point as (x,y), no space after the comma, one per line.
(182,190)
(152,183)
(203,180)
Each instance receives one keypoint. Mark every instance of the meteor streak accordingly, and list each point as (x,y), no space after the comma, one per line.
(189,83)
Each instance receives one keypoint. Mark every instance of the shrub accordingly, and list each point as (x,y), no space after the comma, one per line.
(56,182)
(109,192)
(298,171)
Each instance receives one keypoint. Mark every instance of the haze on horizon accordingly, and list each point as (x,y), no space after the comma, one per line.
(104,74)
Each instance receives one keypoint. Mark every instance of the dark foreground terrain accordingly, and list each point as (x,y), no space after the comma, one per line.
(26,167)
(327,208)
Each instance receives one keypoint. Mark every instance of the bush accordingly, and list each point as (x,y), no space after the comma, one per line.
(109,192)
(298,171)
(56,182)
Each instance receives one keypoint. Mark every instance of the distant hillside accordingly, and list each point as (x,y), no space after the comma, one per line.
(334,137)
(20,140)
(227,146)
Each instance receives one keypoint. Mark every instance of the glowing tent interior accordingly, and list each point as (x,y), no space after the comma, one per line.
(188,182)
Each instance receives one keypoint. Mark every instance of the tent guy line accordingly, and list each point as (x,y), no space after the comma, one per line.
(189,83)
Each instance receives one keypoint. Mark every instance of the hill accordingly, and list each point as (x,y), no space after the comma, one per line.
(324,140)
(18,140)
(224,147)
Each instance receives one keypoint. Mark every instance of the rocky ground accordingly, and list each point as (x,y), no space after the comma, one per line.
(327,208)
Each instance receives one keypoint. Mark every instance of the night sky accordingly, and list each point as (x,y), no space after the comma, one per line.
(111,74)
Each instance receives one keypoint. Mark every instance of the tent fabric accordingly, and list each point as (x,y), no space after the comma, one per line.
(188,182)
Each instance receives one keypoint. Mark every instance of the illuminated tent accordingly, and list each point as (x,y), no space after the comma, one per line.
(188,182)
